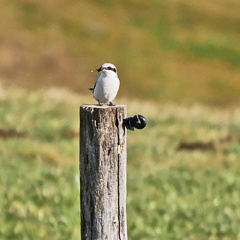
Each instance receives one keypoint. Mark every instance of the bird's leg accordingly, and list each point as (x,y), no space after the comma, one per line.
(110,104)
(99,104)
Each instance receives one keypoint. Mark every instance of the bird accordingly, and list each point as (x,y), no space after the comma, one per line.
(107,85)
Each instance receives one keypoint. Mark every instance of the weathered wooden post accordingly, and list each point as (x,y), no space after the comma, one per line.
(103,172)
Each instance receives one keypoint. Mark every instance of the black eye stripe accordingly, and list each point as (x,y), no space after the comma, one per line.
(108,68)
(113,69)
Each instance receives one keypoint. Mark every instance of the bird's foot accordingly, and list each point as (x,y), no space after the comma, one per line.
(110,104)
(99,104)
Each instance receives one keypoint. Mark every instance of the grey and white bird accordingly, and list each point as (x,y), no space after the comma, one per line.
(107,85)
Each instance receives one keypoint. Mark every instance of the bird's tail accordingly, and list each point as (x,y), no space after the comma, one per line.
(91,89)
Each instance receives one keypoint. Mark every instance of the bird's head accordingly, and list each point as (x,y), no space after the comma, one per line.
(108,69)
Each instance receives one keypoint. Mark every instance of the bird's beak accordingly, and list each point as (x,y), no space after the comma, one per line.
(99,70)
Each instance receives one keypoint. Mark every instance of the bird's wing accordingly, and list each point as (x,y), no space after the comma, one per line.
(92,89)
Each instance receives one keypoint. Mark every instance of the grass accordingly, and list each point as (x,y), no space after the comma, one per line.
(172,194)
(39,175)
(164,50)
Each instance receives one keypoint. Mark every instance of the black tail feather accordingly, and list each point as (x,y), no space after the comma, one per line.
(91,89)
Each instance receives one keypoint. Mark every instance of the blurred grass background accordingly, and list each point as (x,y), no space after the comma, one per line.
(179,66)
(182,50)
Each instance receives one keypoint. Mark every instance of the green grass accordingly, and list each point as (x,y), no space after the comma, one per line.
(39,174)
(172,194)
(164,50)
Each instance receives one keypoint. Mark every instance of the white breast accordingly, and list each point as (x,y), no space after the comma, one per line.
(106,88)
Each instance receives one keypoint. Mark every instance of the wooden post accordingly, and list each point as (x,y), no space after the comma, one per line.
(103,172)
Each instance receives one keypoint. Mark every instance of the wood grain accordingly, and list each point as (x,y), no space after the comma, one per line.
(103,172)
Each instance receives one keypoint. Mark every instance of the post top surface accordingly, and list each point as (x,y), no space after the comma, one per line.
(101,107)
